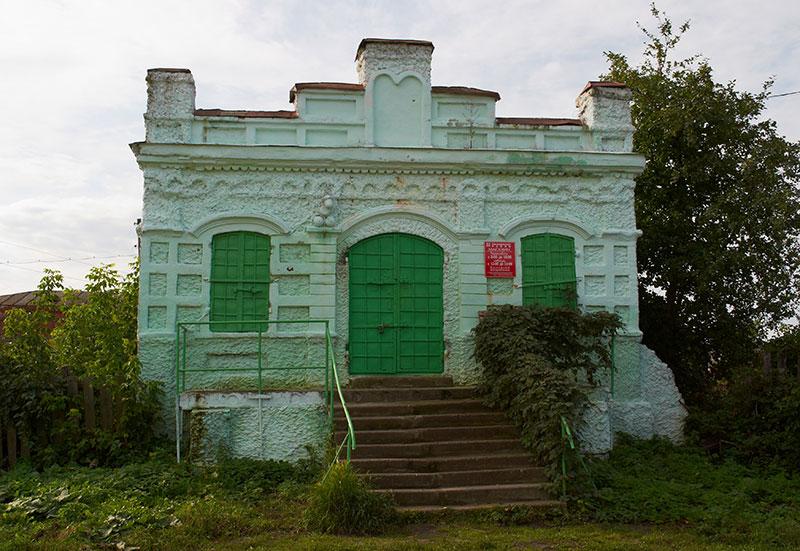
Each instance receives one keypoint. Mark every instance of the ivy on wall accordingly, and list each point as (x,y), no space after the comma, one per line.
(540,364)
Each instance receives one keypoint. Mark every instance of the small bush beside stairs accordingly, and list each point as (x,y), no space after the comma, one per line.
(433,445)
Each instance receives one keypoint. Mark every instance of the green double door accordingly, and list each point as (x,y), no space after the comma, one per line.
(396,313)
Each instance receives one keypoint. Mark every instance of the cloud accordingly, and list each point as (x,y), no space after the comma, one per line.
(73,88)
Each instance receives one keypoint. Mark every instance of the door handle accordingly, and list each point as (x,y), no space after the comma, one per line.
(382,327)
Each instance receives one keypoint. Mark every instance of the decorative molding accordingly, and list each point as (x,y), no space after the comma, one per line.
(625,234)
(526,222)
(255,222)
(393,211)
(384,160)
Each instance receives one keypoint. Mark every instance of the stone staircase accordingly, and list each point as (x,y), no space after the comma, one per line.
(433,445)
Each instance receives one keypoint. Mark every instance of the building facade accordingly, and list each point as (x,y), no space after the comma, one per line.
(370,205)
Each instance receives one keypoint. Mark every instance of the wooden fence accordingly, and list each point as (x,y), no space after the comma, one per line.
(786,361)
(96,408)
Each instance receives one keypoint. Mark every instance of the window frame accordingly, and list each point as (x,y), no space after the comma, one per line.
(232,280)
(543,243)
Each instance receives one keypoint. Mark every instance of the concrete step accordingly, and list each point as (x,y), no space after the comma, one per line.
(377,381)
(434,434)
(483,477)
(437,449)
(532,504)
(413,407)
(470,495)
(383,395)
(475,460)
(423,421)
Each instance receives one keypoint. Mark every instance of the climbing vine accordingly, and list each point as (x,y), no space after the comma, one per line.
(540,364)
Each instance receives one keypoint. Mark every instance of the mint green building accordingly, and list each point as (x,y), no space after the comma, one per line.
(368,205)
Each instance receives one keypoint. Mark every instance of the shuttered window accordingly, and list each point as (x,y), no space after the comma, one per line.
(239,281)
(548,270)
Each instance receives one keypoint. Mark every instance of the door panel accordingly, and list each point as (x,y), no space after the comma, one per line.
(396,313)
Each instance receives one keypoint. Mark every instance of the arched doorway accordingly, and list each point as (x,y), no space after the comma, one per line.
(396,312)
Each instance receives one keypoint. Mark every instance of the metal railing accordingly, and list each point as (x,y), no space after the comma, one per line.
(182,368)
(568,444)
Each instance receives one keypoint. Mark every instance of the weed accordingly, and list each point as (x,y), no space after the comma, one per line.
(341,503)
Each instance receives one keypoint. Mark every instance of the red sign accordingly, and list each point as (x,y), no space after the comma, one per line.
(499,259)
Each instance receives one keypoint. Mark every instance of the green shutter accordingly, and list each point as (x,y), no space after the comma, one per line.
(239,280)
(548,270)
(396,310)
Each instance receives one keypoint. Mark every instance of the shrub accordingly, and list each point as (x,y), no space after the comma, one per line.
(755,419)
(95,338)
(655,481)
(256,478)
(342,503)
(540,364)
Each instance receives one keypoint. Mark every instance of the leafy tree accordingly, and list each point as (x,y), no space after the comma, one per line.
(94,337)
(26,333)
(97,336)
(718,204)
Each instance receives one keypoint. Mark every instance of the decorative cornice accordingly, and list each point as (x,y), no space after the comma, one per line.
(383,160)
(526,222)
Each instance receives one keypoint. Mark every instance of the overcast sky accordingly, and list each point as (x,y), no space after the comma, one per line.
(72,86)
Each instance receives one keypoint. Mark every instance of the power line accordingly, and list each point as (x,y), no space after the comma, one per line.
(784,94)
(50,260)
(39,272)
(37,250)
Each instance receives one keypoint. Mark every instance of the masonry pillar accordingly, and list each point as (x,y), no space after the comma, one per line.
(397,79)
(605,108)
(170,105)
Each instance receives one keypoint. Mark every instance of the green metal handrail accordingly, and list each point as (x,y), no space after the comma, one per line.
(182,369)
(568,442)
(350,437)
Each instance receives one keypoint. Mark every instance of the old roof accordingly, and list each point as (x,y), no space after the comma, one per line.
(410,42)
(168,70)
(246,114)
(345,86)
(537,121)
(603,84)
(18,300)
(464,91)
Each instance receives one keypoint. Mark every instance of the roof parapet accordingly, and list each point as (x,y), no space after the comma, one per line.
(393,56)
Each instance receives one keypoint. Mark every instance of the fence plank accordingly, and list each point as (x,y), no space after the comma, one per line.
(1,445)
(88,405)
(106,416)
(11,441)
(72,385)
(24,447)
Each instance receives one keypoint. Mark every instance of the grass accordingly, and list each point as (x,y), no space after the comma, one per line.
(652,496)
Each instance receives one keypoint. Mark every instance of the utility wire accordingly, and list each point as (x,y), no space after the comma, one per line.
(59,258)
(39,271)
(49,260)
(784,94)
(37,250)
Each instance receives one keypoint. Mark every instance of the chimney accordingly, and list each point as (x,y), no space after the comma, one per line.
(170,105)
(382,55)
(605,108)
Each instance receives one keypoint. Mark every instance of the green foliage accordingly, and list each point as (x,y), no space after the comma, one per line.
(342,503)
(157,504)
(540,364)
(719,205)
(105,505)
(94,336)
(97,337)
(657,482)
(755,419)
